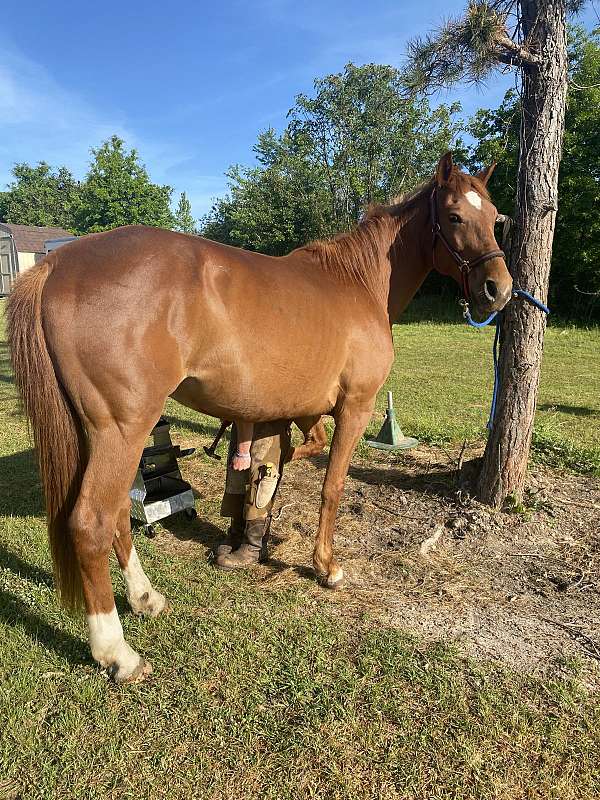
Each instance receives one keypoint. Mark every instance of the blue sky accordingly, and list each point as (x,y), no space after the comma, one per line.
(191,87)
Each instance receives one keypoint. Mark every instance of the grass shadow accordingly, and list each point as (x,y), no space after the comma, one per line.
(17,614)
(201,531)
(30,572)
(441,482)
(20,488)
(275,566)
(193,426)
(578,411)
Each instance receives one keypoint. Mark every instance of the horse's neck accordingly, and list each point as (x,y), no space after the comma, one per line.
(409,262)
(387,255)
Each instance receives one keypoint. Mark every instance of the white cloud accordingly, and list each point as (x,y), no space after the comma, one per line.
(45,121)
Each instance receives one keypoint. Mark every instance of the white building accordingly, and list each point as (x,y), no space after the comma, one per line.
(21,246)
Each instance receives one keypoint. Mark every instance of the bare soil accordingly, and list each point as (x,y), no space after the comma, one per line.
(521,587)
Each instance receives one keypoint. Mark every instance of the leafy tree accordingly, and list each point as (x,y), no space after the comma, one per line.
(40,196)
(576,261)
(4,198)
(576,251)
(358,140)
(117,191)
(184,221)
(277,205)
(368,138)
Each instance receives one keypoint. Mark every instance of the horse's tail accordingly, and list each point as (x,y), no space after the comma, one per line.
(56,429)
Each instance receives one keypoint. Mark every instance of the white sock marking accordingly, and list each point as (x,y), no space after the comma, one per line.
(474,199)
(138,585)
(108,644)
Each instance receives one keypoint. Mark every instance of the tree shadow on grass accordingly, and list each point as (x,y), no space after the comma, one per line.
(201,531)
(30,572)
(20,488)
(192,425)
(17,614)
(440,481)
(578,411)
(5,371)
(275,566)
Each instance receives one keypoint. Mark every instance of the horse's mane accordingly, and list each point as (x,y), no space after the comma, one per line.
(355,255)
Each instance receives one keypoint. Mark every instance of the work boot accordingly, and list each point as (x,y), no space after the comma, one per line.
(252,549)
(233,538)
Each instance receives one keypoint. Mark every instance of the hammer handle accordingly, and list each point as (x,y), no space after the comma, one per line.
(224,425)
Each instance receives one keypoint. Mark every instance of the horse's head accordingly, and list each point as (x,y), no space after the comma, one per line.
(464,245)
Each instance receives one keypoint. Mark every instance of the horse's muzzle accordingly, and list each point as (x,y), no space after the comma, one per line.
(492,290)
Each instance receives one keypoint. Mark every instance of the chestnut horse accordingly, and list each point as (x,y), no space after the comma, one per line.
(107,327)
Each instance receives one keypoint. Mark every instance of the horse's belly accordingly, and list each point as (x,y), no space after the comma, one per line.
(235,398)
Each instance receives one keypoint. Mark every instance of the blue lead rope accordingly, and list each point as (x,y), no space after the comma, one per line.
(496,317)
(526,296)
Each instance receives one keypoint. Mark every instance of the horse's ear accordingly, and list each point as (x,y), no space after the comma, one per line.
(486,174)
(444,169)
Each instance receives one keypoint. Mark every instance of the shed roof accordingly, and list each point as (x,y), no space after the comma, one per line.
(31,238)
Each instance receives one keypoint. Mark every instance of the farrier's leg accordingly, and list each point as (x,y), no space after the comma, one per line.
(241,458)
(232,505)
(113,459)
(270,448)
(350,425)
(143,598)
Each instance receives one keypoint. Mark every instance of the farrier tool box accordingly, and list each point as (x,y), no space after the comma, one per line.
(158,489)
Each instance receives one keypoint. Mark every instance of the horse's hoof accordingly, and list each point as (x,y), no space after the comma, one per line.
(334,579)
(139,674)
(335,583)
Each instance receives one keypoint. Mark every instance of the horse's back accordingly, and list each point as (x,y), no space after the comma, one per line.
(268,337)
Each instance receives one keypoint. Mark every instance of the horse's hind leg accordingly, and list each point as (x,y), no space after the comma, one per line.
(113,458)
(315,437)
(143,598)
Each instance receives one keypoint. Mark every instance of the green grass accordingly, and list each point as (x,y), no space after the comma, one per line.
(261,693)
(442,382)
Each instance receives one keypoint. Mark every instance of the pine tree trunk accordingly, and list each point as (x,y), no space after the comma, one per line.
(542,122)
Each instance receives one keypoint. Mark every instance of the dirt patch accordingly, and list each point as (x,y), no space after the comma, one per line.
(420,554)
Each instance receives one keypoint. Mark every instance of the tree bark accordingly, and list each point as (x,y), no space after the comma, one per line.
(522,335)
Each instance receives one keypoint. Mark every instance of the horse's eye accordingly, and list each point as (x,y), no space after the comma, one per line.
(455,219)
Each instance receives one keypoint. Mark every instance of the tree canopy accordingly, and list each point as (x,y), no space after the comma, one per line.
(576,251)
(41,196)
(356,141)
(184,220)
(118,191)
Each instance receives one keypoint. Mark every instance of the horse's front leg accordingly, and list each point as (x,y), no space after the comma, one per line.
(351,422)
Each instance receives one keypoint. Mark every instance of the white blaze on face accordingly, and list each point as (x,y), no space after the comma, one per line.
(474,199)
(108,645)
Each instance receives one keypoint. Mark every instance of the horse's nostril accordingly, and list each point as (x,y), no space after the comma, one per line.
(491,290)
